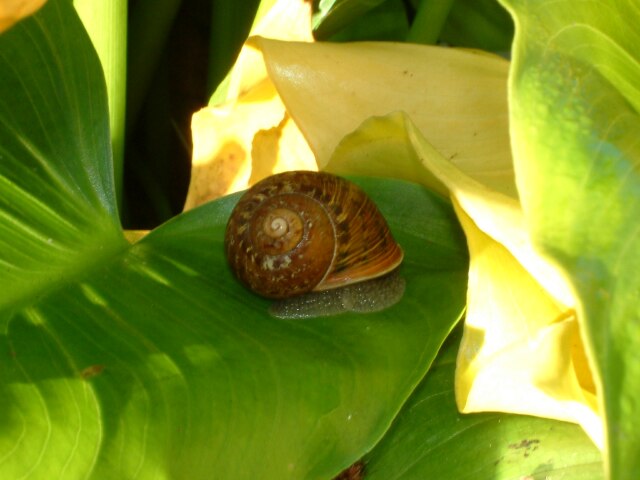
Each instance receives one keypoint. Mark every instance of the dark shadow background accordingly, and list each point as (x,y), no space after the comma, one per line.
(201,44)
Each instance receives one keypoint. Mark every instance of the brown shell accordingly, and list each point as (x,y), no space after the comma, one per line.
(300,231)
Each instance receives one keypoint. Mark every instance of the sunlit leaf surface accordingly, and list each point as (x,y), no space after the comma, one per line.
(521,350)
(150,360)
(161,362)
(575,122)
(57,208)
(430,439)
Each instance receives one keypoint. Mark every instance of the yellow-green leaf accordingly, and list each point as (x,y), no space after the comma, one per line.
(575,118)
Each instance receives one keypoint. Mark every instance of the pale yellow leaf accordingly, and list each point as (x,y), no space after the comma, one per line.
(381,147)
(11,11)
(284,20)
(250,135)
(521,351)
(226,139)
(457,98)
(498,215)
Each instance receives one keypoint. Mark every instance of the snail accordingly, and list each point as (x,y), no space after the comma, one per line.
(302,234)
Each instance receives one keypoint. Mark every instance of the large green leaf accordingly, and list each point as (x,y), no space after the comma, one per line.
(575,103)
(57,208)
(150,360)
(161,362)
(430,439)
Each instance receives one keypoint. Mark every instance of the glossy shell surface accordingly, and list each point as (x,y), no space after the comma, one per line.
(302,231)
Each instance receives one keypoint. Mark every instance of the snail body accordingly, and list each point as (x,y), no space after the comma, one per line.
(299,232)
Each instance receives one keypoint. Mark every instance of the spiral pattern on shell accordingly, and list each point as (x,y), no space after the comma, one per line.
(296,232)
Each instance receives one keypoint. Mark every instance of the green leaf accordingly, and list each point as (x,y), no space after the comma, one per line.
(106,23)
(151,360)
(148,29)
(575,105)
(161,362)
(430,439)
(387,21)
(57,208)
(479,24)
(168,359)
(333,15)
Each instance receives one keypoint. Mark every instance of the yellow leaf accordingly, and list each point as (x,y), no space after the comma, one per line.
(381,147)
(521,351)
(497,214)
(250,135)
(457,98)
(285,20)
(11,11)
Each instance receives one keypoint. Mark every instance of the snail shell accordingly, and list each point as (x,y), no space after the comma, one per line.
(297,232)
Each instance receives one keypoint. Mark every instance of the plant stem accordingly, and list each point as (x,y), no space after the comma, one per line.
(430,18)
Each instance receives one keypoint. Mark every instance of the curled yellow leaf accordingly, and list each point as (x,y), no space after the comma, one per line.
(521,350)
(457,98)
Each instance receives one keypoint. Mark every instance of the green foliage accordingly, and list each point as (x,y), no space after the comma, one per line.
(58,200)
(385,22)
(575,121)
(333,15)
(430,439)
(150,360)
(106,23)
(480,24)
(462,23)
